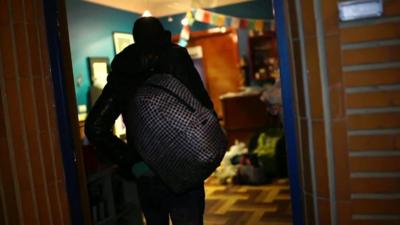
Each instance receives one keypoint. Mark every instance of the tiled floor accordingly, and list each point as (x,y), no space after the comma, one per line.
(248,205)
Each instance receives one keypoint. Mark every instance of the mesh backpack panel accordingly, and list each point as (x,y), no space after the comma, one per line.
(180,139)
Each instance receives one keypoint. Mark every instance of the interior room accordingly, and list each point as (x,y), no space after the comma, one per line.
(233,46)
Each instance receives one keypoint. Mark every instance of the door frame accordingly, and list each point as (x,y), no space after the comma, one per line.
(66,110)
(61,67)
(289,110)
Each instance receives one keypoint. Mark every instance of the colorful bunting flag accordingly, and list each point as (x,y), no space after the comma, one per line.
(272,25)
(259,26)
(243,23)
(235,23)
(199,15)
(206,17)
(182,43)
(229,21)
(251,24)
(185,33)
(214,18)
(221,20)
(190,18)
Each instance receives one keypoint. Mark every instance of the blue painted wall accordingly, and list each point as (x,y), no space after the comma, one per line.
(91,26)
(90,30)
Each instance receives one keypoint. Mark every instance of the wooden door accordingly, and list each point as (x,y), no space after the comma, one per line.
(221,63)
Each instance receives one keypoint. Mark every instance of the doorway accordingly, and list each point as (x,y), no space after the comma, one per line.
(287,107)
(251,185)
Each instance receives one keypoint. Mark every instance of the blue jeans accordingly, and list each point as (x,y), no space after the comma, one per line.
(158,202)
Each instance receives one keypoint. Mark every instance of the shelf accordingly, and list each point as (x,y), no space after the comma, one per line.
(262,48)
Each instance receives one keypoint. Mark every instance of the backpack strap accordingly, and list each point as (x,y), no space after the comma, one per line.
(191,109)
(174,86)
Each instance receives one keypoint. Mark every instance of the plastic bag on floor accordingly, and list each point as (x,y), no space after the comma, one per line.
(226,171)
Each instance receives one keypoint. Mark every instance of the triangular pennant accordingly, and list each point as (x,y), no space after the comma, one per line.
(243,23)
(207,17)
(189,17)
(228,21)
(272,25)
(251,24)
(185,33)
(220,20)
(214,18)
(199,15)
(182,43)
(235,23)
(259,26)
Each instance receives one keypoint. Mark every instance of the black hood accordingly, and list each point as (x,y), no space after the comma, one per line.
(149,31)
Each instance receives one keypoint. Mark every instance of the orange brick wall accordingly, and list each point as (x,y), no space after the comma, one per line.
(32,182)
(363,83)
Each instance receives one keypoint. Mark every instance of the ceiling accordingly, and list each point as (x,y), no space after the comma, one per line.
(161,8)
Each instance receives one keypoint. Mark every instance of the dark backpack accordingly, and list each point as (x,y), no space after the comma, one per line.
(180,139)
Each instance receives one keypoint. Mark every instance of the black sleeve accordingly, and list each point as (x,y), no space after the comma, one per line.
(191,78)
(100,121)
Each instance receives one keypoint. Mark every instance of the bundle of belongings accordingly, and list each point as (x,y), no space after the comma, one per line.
(227,170)
(261,162)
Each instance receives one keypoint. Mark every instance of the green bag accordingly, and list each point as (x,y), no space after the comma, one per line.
(266,152)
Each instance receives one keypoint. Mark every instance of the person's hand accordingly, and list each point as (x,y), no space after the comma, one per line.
(125,173)
(141,169)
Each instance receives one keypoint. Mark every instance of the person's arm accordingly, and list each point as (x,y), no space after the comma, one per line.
(191,78)
(99,125)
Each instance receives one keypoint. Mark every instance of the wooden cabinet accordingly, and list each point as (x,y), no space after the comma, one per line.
(263,56)
(244,115)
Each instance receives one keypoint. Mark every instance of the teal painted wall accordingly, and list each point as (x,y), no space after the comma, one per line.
(90,30)
(91,27)
(256,9)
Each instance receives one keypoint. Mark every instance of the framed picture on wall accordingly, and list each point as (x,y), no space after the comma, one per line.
(98,71)
(121,41)
(99,68)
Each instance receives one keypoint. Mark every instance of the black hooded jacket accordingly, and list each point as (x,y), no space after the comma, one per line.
(128,70)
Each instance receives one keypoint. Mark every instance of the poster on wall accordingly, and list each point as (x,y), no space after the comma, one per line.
(121,41)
